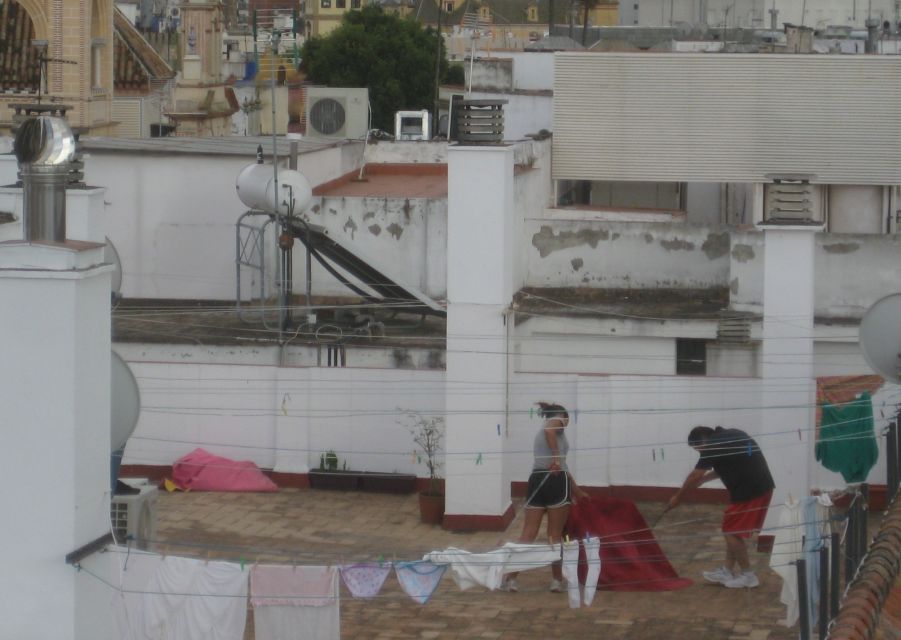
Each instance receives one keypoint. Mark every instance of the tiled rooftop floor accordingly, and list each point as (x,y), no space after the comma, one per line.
(324,527)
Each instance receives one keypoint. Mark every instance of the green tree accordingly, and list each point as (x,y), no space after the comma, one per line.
(392,56)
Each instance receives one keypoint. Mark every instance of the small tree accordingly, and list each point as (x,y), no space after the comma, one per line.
(428,434)
(394,57)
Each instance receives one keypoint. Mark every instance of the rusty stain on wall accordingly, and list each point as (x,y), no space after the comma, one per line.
(547,242)
(395,230)
(577,263)
(350,226)
(375,229)
(407,209)
(716,245)
(743,252)
(841,247)
(677,244)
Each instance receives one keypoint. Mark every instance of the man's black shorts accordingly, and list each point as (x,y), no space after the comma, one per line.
(548,490)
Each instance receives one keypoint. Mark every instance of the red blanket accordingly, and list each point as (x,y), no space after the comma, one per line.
(631,559)
(200,470)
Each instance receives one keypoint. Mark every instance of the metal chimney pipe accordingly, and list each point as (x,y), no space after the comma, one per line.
(44,147)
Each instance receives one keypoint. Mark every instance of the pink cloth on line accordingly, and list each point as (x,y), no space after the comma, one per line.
(200,470)
(365,580)
(272,585)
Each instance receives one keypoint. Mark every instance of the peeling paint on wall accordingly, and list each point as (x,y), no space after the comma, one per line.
(315,208)
(716,245)
(350,226)
(375,229)
(547,242)
(677,245)
(334,212)
(395,230)
(733,286)
(577,263)
(615,236)
(368,215)
(743,252)
(841,247)
(648,238)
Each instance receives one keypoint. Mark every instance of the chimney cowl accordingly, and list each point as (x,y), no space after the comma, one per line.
(45,141)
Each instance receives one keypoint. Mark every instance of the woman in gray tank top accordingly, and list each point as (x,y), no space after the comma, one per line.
(551,487)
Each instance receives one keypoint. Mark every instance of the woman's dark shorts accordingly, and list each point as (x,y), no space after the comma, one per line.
(548,490)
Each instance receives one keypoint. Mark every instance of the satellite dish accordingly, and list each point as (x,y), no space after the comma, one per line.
(125,402)
(880,337)
(111,256)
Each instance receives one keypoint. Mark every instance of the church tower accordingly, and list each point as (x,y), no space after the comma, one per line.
(58,52)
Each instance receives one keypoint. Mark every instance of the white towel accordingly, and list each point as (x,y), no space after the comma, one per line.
(488,569)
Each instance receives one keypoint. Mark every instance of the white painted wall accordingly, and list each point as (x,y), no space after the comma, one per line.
(574,251)
(408,237)
(55,337)
(172,217)
(616,419)
(755,13)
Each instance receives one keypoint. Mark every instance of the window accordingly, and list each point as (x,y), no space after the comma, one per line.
(97,45)
(325,4)
(355,4)
(449,7)
(340,4)
(691,357)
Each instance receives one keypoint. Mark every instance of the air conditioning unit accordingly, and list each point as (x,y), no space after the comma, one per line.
(338,113)
(133,516)
(791,199)
(411,125)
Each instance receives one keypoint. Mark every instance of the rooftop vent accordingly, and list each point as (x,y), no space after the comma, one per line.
(790,199)
(44,148)
(480,121)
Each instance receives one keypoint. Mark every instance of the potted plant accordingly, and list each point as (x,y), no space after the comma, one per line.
(428,435)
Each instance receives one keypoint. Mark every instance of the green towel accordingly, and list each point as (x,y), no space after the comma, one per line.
(847,440)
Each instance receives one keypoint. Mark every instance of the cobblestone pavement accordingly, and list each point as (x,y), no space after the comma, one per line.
(327,527)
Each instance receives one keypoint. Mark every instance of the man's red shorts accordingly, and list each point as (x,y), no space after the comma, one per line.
(744,518)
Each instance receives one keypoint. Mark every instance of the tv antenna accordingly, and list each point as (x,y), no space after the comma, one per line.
(44,61)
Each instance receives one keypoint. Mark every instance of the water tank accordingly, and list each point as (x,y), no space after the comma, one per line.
(256,186)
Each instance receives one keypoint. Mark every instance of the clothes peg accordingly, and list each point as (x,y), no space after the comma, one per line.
(479,459)
(749,449)
(654,455)
(531,412)
(241,562)
(498,429)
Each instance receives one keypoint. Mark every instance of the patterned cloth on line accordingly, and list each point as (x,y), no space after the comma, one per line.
(419,579)
(365,580)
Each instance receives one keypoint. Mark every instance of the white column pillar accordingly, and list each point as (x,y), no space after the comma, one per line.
(55,440)
(480,249)
(789,390)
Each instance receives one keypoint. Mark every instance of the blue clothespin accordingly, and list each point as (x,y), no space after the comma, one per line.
(479,459)
(654,455)
(498,429)
(662,456)
(749,449)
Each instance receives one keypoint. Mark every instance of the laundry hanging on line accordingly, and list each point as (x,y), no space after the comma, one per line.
(488,569)
(295,602)
(847,441)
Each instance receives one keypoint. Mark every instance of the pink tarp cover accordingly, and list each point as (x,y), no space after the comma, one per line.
(200,470)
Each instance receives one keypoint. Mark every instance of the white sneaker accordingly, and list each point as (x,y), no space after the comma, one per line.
(718,576)
(556,586)
(746,580)
(510,585)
